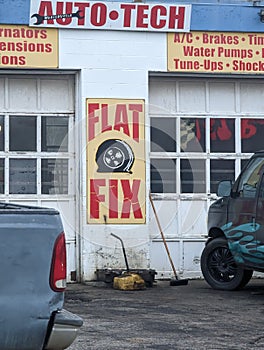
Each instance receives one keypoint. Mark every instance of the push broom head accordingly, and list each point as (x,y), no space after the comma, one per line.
(176,282)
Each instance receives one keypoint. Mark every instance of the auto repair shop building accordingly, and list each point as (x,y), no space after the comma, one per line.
(104,102)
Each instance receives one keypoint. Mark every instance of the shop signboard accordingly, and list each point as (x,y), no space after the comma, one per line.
(216,52)
(116,190)
(110,15)
(25,47)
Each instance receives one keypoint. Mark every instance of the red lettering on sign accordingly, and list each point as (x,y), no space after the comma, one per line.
(92,119)
(182,38)
(127,14)
(98,14)
(121,113)
(113,199)
(156,13)
(103,15)
(141,16)
(136,108)
(105,126)
(121,119)
(60,10)
(131,199)
(176,17)
(95,197)
(82,8)
(45,9)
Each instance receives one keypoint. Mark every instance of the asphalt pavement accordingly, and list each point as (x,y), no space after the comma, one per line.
(165,317)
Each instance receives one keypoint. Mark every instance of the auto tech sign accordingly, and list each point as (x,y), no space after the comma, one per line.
(110,15)
(116,190)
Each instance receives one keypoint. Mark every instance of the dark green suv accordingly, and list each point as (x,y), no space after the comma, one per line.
(235,245)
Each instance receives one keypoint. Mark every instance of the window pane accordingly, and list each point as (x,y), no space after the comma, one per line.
(252,131)
(163,175)
(221,170)
(2,176)
(193,134)
(22,133)
(244,162)
(163,133)
(2,130)
(54,134)
(193,176)
(222,135)
(54,176)
(261,192)
(246,185)
(22,176)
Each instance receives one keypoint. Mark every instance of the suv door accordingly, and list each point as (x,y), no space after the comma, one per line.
(243,225)
(260,222)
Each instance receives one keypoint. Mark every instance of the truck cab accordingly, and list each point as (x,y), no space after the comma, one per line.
(235,244)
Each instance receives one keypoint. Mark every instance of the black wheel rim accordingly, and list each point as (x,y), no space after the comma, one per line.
(221,265)
(114,157)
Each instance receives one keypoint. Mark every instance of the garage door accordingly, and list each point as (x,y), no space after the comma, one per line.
(36,147)
(202,131)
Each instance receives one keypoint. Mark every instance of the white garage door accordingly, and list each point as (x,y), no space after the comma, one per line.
(202,130)
(36,147)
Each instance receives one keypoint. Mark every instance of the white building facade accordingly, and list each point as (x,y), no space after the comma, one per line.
(186,123)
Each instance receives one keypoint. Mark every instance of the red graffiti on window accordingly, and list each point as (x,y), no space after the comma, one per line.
(249,127)
(198,129)
(219,130)
(222,129)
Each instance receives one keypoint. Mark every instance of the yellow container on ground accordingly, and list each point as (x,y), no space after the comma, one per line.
(129,281)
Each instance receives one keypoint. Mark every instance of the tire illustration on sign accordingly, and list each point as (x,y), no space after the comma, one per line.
(114,156)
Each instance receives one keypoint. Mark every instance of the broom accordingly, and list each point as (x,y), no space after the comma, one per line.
(176,281)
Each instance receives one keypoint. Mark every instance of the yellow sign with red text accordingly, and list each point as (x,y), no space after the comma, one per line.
(116,192)
(24,47)
(215,52)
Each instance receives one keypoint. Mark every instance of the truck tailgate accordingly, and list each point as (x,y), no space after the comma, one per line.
(27,237)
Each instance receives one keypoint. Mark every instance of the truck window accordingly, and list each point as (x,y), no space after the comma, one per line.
(248,182)
(261,188)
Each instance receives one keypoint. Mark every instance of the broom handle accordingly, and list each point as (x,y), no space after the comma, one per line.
(163,237)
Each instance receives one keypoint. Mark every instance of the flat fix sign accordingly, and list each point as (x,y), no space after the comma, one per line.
(216,52)
(110,15)
(116,192)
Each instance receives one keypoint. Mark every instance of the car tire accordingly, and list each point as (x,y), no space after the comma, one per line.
(219,268)
(114,156)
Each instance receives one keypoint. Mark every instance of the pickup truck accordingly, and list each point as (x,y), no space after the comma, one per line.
(235,243)
(33,280)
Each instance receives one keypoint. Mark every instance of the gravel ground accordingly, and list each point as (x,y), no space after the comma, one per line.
(166,317)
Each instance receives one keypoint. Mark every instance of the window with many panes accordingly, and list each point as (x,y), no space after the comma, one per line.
(223,137)
(202,131)
(34,154)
